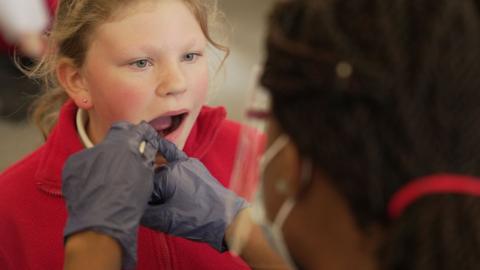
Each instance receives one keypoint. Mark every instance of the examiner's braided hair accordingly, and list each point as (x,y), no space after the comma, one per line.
(377,93)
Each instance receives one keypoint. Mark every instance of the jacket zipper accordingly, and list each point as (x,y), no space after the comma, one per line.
(161,248)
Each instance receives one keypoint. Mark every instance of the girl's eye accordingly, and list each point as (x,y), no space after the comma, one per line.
(142,63)
(190,57)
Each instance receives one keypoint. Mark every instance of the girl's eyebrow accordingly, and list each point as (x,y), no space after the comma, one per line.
(156,51)
(195,42)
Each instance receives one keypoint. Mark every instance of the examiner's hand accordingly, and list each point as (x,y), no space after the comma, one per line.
(107,187)
(188,201)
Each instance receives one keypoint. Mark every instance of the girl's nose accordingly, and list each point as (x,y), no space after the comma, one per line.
(172,81)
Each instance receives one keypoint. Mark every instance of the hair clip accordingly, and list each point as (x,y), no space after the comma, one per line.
(344,70)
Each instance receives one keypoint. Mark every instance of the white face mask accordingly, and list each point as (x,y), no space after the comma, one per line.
(273,230)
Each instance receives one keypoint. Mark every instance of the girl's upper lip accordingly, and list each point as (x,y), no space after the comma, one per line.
(168,122)
(172,113)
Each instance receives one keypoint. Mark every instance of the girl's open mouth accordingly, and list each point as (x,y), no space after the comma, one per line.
(168,124)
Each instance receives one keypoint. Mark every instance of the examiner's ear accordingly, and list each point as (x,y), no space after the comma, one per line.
(71,79)
(299,173)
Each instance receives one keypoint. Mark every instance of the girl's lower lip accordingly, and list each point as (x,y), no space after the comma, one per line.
(172,137)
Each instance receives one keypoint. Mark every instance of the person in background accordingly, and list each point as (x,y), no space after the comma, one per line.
(23,22)
(22,40)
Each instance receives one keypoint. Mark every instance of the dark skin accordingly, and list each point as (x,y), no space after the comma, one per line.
(91,250)
(321,231)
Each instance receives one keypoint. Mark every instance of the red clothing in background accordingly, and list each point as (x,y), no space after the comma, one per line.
(8,48)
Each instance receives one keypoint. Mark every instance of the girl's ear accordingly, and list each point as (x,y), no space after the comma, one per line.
(72,80)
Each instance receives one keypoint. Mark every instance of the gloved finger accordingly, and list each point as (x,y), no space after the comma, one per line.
(121,125)
(170,151)
(157,217)
(163,185)
(147,133)
(149,152)
(160,160)
(143,131)
(149,140)
(123,128)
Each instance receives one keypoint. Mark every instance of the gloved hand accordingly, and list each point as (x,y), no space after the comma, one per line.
(107,187)
(189,202)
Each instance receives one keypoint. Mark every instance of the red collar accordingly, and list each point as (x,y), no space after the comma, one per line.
(204,131)
(64,141)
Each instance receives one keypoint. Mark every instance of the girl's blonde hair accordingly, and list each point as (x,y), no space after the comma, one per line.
(70,36)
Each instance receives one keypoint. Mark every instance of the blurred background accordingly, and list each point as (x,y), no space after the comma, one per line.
(247,25)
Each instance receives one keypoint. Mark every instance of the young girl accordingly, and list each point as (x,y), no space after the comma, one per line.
(109,61)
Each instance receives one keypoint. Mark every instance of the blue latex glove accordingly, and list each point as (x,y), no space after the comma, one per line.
(107,187)
(189,202)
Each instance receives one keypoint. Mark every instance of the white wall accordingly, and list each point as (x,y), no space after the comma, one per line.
(248,22)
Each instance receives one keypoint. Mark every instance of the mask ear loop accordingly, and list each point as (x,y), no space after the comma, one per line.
(273,151)
(305,181)
(287,208)
(237,244)
(306,173)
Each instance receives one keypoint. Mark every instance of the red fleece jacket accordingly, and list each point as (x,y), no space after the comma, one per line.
(33,213)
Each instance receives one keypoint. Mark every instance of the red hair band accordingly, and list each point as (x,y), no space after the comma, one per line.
(429,185)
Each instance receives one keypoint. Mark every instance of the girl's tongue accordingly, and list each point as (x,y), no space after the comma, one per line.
(162,123)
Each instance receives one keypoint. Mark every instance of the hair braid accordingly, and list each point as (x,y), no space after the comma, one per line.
(409,108)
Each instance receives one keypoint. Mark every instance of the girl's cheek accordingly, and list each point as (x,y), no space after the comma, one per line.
(124,104)
(201,87)
(202,93)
